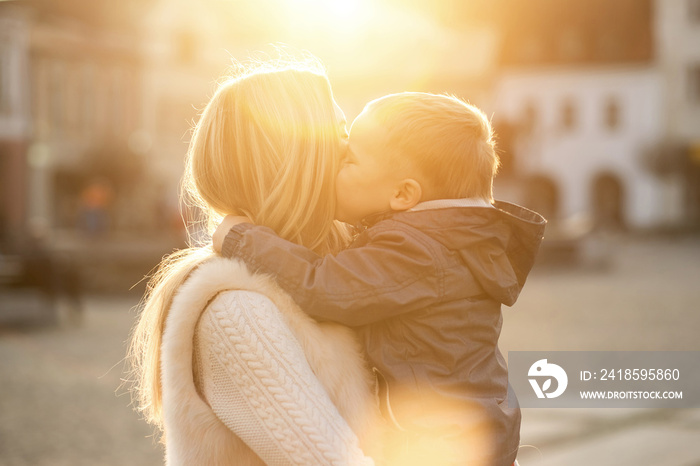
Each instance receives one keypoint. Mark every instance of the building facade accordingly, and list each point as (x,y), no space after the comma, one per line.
(677,41)
(584,135)
(607,116)
(71,105)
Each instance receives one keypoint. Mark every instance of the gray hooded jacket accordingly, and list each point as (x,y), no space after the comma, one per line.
(424,291)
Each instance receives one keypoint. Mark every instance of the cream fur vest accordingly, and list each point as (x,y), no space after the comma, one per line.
(193,433)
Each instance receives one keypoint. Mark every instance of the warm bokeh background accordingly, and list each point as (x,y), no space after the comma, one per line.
(597,109)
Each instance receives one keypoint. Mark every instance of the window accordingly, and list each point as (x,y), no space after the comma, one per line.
(531,49)
(694,11)
(568,115)
(5,78)
(612,114)
(56,96)
(571,45)
(528,118)
(73,99)
(87,110)
(694,84)
(116,102)
(39,98)
(186,44)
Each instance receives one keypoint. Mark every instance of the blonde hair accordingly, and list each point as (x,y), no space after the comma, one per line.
(449,141)
(267,145)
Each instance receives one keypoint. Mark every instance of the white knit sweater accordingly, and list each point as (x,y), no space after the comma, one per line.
(241,361)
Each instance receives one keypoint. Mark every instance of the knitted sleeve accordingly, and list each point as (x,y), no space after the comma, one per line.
(254,375)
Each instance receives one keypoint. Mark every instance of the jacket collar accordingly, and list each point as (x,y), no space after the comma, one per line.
(447,203)
(373,219)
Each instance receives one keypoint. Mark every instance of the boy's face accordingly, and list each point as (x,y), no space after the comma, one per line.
(366,180)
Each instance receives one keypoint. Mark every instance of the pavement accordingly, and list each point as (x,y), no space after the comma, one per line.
(62,401)
(639,294)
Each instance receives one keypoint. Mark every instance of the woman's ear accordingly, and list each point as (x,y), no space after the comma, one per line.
(406,195)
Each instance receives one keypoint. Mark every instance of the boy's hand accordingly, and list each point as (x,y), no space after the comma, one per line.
(222,230)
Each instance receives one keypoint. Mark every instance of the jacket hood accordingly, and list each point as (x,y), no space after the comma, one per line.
(498,244)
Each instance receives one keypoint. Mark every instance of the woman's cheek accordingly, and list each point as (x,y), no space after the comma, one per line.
(340,182)
(341,179)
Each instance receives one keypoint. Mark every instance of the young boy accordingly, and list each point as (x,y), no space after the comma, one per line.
(423,281)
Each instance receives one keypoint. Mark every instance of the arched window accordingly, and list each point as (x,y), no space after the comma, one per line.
(694,10)
(528,118)
(542,195)
(186,42)
(612,114)
(694,83)
(5,80)
(608,201)
(568,115)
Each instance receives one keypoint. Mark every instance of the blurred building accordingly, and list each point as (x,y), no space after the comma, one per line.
(74,106)
(581,142)
(190,47)
(185,49)
(604,99)
(677,41)
(596,102)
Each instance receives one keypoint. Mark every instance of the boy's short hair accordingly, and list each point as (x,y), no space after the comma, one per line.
(448,140)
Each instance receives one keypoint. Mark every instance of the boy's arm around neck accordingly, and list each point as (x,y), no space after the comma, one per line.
(391,274)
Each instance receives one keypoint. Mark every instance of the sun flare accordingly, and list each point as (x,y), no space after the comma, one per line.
(333,15)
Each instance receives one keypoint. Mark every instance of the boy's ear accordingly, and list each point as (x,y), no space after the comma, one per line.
(406,195)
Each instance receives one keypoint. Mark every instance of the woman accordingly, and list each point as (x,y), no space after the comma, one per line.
(222,355)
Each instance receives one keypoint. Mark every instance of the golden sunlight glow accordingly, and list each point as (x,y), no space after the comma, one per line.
(335,12)
(394,47)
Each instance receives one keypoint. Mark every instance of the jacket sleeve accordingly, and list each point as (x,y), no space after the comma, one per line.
(395,272)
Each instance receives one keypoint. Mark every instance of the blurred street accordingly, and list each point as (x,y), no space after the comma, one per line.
(60,402)
(645,299)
